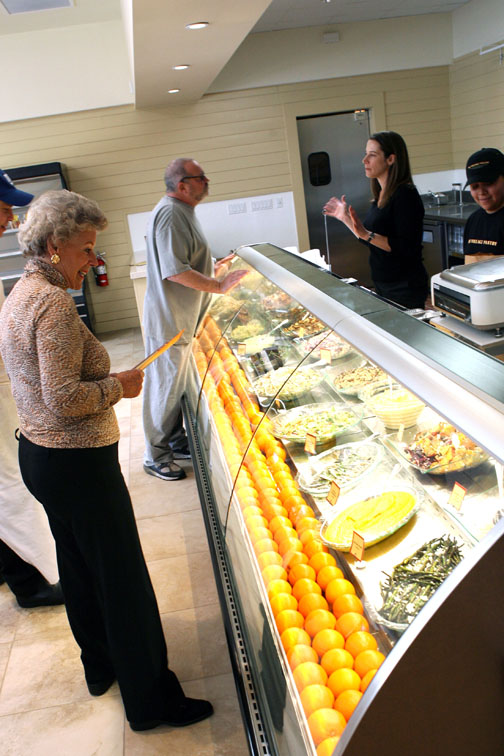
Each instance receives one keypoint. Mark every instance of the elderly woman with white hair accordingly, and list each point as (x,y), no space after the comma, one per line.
(65,393)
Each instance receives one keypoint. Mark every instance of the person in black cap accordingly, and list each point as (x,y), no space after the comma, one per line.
(17,506)
(484,230)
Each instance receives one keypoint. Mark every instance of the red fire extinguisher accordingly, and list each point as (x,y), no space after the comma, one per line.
(100,270)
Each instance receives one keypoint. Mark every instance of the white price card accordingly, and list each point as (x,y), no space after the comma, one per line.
(242,349)
(357,547)
(325,355)
(310,443)
(457,496)
(334,492)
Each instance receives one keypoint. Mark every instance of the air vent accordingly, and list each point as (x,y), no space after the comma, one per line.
(28,6)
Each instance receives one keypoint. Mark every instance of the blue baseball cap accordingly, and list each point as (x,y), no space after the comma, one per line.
(11,195)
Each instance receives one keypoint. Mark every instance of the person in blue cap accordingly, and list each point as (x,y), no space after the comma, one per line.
(25,538)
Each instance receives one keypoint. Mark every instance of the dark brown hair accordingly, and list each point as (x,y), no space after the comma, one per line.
(399,172)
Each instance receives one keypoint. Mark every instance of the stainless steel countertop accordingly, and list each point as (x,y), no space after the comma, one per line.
(450,213)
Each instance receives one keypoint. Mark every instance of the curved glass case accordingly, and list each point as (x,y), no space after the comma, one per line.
(354,469)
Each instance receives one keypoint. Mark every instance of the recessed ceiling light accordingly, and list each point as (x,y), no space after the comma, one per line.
(173,91)
(197,25)
(181,67)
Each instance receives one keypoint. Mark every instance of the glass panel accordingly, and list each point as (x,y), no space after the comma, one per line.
(319,168)
(311,444)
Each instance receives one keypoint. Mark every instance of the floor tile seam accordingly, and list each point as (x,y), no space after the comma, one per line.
(175,556)
(150,517)
(2,679)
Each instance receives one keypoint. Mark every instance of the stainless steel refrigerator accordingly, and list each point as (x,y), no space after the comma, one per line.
(332,146)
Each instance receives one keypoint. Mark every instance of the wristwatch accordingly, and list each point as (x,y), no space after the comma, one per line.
(371,236)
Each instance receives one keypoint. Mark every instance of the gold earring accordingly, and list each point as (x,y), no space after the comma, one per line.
(55,259)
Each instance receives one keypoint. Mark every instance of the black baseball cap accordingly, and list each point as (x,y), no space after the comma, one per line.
(11,195)
(485,165)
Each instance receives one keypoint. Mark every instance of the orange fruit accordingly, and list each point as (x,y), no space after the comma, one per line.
(337,658)
(338,587)
(271,510)
(247,490)
(288,618)
(328,573)
(301,512)
(351,622)
(321,559)
(288,490)
(259,533)
(299,571)
(325,723)
(277,522)
(308,534)
(315,697)
(367,679)
(307,523)
(343,679)
(309,673)
(273,572)
(278,586)
(360,641)
(347,701)
(285,531)
(311,601)
(305,585)
(326,748)
(327,639)
(268,557)
(367,661)
(290,559)
(314,547)
(293,500)
(299,654)
(348,602)
(265,544)
(250,510)
(282,601)
(288,545)
(294,636)
(317,620)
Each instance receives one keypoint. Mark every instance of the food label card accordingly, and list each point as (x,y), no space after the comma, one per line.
(400,432)
(310,443)
(457,496)
(357,547)
(242,348)
(334,492)
(326,356)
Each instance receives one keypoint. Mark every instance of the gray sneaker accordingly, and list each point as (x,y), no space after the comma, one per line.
(165,471)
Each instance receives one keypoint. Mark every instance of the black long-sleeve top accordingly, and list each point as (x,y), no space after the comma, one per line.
(401,221)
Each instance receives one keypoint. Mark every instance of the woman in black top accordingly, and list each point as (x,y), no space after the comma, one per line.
(392,228)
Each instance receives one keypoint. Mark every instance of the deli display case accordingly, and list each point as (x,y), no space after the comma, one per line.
(349,460)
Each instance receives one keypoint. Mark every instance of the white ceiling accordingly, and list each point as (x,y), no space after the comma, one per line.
(161,41)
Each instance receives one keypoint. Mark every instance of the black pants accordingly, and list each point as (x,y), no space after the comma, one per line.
(22,577)
(109,597)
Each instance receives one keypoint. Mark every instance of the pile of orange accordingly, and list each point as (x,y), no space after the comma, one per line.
(319,617)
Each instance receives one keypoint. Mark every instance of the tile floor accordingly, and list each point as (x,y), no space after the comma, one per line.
(45,708)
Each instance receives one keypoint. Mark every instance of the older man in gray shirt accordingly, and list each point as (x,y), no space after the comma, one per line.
(180,281)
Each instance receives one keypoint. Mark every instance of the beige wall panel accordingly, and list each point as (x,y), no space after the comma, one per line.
(477,97)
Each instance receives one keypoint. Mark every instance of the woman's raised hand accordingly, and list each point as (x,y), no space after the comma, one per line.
(337,208)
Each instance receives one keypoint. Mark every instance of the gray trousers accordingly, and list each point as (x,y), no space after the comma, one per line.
(164,385)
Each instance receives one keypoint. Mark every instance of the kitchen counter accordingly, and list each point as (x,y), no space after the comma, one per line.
(450,213)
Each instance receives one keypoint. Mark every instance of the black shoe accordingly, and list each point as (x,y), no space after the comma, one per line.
(165,471)
(48,595)
(182,453)
(189,711)
(99,688)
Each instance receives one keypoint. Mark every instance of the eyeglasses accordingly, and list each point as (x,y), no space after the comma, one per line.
(201,177)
